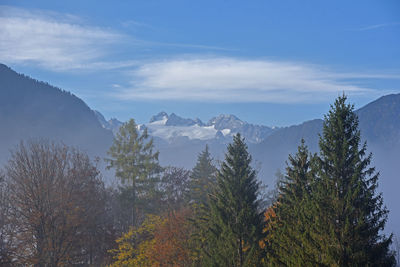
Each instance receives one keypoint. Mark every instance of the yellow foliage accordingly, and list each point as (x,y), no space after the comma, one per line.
(135,245)
(159,241)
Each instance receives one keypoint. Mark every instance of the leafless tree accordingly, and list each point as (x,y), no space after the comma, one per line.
(175,187)
(56,205)
(6,240)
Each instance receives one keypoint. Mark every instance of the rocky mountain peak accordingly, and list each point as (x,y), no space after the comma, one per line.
(225,121)
(160,116)
(175,120)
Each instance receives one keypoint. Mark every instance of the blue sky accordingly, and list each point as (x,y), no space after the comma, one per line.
(267,62)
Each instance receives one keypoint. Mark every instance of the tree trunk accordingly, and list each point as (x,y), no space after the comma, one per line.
(240,251)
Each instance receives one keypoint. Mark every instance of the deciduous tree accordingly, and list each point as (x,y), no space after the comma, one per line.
(159,241)
(175,188)
(136,165)
(53,196)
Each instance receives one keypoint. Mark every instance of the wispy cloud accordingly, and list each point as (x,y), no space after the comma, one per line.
(377,26)
(52,40)
(237,80)
(61,42)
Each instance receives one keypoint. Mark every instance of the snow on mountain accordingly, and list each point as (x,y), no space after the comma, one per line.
(159,117)
(222,127)
(192,132)
(224,121)
(174,120)
(168,127)
(230,125)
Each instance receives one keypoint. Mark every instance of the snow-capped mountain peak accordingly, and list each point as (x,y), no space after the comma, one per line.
(175,120)
(222,127)
(224,121)
(162,116)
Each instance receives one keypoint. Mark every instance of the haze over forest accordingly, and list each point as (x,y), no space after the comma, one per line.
(205,134)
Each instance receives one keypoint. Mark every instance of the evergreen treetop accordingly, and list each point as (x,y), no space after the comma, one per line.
(351,213)
(237,221)
(291,244)
(202,178)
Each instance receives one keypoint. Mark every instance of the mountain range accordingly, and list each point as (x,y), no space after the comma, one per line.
(34,109)
(170,127)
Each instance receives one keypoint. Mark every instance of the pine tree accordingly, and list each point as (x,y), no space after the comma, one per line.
(137,167)
(349,213)
(236,219)
(291,244)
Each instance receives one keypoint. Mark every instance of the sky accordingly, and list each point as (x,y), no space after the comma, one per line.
(274,63)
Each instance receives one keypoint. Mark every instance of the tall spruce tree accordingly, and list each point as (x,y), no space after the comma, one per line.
(349,213)
(201,185)
(137,167)
(236,219)
(202,178)
(291,244)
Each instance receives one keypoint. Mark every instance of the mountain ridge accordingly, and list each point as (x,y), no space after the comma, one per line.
(221,127)
(30,109)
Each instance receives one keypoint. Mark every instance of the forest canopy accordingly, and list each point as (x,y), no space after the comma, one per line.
(326,210)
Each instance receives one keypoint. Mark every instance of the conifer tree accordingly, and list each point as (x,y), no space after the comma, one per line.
(291,244)
(236,219)
(201,185)
(137,167)
(349,213)
(202,178)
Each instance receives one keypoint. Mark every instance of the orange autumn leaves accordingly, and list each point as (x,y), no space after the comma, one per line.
(164,241)
(269,217)
(159,241)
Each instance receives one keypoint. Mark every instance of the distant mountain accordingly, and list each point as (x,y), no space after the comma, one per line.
(224,121)
(273,151)
(380,120)
(112,124)
(33,109)
(162,116)
(253,133)
(220,128)
(174,120)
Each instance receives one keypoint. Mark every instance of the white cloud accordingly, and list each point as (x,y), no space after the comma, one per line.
(52,40)
(237,80)
(62,42)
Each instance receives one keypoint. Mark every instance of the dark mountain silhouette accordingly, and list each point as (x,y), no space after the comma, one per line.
(33,109)
(380,120)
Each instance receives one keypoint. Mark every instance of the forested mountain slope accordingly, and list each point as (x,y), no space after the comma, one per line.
(33,109)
